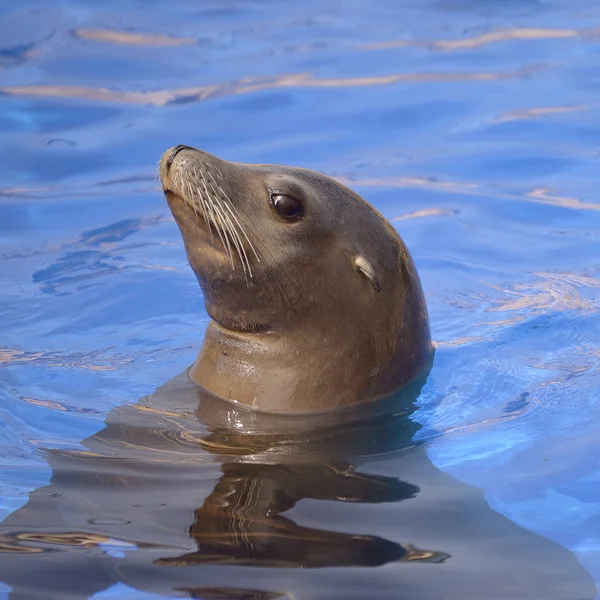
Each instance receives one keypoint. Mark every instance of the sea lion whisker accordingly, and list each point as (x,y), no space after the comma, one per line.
(195,207)
(205,208)
(238,239)
(199,201)
(223,203)
(185,193)
(212,223)
(229,204)
(214,214)
(233,235)
(220,228)
(217,170)
(190,200)
(239,245)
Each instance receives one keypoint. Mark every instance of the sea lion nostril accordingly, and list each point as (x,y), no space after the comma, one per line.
(175,152)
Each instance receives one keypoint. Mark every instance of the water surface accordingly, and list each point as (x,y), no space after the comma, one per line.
(472,125)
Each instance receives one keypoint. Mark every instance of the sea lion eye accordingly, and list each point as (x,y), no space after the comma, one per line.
(286,206)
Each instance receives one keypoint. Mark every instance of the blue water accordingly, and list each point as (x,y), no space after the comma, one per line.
(471,124)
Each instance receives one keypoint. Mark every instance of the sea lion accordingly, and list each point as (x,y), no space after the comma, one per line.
(314,299)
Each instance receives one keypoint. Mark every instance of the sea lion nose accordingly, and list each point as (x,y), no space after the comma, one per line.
(176,150)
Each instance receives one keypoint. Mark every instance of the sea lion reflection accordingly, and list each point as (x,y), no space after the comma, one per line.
(241,521)
(266,472)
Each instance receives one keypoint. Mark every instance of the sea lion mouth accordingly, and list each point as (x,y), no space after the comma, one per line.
(201,187)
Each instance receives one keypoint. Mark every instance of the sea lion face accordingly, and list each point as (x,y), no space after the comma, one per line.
(292,262)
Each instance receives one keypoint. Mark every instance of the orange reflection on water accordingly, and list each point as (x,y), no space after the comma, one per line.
(112,36)
(542,195)
(250,84)
(9,355)
(492,37)
(425,212)
(12,356)
(538,113)
(555,291)
(545,196)
(459,341)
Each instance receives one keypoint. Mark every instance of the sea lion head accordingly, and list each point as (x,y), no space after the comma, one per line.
(313,297)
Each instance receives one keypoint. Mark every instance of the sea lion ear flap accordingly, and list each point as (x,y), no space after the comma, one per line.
(363,266)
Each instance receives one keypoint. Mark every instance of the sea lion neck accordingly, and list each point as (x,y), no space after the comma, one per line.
(279,371)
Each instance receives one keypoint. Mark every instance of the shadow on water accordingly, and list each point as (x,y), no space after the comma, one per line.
(183,494)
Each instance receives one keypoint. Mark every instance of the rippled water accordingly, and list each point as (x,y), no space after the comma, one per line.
(472,124)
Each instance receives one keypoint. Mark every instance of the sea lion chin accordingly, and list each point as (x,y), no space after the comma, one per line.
(314,299)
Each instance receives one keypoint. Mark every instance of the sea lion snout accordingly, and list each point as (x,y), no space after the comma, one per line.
(167,164)
(172,153)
